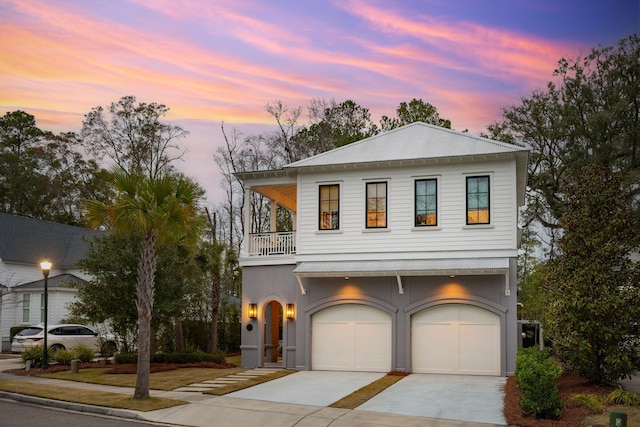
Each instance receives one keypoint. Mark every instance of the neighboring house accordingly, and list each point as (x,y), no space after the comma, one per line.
(24,243)
(403,257)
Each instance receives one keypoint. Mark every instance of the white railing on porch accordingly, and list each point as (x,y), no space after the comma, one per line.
(274,243)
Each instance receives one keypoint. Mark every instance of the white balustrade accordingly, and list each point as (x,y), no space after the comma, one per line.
(274,243)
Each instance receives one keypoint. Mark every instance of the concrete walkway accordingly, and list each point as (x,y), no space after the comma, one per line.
(299,399)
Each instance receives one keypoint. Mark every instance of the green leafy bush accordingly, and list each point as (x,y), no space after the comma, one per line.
(621,396)
(178,358)
(593,402)
(107,348)
(537,377)
(84,353)
(126,358)
(35,354)
(14,330)
(63,357)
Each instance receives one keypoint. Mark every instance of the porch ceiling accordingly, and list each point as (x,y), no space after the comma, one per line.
(283,194)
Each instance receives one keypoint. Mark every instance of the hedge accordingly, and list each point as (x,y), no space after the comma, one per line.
(178,358)
(537,377)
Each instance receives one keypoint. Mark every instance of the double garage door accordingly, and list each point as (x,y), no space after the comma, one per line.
(447,339)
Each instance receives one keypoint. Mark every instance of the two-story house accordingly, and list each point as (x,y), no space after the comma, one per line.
(403,257)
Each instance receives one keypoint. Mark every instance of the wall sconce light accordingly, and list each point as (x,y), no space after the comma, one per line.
(253,311)
(291,311)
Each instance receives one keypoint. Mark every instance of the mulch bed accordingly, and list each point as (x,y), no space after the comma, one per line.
(124,368)
(571,416)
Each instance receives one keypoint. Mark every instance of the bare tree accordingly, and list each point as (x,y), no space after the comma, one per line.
(133,136)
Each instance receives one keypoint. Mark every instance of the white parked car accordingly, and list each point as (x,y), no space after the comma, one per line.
(61,337)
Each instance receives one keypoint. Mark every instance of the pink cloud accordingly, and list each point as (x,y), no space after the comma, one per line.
(466,45)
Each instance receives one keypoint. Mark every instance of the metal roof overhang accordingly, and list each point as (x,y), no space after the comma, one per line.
(399,268)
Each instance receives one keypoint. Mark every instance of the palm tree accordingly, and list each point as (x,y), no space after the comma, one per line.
(159,209)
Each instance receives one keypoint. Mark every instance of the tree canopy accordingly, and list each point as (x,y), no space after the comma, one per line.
(159,210)
(133,137)
(45,176)
(591,115)
(584,188)
(593,286)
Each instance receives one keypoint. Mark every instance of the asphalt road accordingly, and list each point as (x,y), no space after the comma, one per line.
(17,414)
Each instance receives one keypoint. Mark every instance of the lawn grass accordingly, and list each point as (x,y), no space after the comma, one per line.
(166,380)
(97,398)
(360,396)
(633,416)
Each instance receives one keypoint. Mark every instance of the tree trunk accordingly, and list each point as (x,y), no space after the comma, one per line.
(215,309)
(179,334)
(145,290)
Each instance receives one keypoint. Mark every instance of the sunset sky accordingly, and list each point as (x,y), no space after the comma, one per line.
(223,60)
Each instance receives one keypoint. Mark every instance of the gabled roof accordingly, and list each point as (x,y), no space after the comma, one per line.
(26,240)
(60,281)
(415,141)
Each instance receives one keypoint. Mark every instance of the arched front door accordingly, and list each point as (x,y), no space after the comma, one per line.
(272,347)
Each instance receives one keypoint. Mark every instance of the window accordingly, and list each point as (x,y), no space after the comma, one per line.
(478,200)
(377,205)
(42,307)
(329,207)
(426,202)
(26,305)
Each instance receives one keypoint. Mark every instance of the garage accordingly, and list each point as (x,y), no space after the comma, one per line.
(351,337)
(455,339)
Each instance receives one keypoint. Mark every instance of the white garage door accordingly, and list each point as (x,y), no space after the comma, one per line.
(351,337)
(456,339)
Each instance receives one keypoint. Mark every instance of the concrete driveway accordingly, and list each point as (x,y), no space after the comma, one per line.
(452,397)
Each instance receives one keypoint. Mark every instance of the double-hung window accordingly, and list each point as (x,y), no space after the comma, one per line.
(478,209)
(42,307)
(329,207)
(426,203)
(376,205)
(26,305)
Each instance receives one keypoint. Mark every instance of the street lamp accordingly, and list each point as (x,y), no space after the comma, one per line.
(46,267)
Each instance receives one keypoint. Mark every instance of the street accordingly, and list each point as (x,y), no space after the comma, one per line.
(18,414)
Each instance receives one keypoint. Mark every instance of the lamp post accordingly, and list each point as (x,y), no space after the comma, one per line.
(46,267)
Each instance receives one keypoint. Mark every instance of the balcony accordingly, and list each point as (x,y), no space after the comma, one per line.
(272,243)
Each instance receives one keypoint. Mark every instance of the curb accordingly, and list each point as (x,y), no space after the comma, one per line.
(78,407)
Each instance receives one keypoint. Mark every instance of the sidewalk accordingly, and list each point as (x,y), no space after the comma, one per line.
(221,411)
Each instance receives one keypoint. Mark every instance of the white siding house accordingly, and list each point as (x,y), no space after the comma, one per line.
(402,257)
(24,243)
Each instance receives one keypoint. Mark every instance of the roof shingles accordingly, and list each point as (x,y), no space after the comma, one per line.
(28,241)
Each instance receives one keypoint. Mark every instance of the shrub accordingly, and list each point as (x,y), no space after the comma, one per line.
(14,330)
(107,348)
(621,396)
(181,358)
(591,401)
(35,354)
(63,357)
(178,358)
(537,377)
(126,358)
(84,353)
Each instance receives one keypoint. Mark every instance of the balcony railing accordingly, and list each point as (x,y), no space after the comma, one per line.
(274,243)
